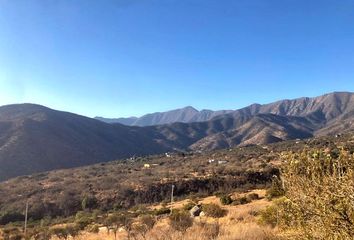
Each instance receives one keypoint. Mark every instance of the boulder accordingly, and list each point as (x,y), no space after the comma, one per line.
(195,211)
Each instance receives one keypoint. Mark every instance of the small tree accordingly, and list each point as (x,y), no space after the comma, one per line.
(64,232)
(89,202)
(82,219)
(119,220)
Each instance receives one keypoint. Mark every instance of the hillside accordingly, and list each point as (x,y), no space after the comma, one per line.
(131,182)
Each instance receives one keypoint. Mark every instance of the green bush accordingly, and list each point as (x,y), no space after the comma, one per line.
(276,189)
(226,200)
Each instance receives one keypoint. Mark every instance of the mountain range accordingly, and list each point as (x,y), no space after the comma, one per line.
(185,115)
(34,138)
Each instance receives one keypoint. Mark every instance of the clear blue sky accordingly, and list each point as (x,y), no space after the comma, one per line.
(130,57)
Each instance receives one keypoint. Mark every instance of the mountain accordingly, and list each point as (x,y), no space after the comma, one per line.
(184,115)
(34,138)
(287,119)
(261,129)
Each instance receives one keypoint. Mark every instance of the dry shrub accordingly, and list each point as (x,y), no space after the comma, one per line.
(180,221)
(320,189)
(213,210)
(247,231)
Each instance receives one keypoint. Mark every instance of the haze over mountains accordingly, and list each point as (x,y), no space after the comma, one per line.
(34,138)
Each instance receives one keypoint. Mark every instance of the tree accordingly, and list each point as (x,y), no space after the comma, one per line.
(82,219)
(64,232)
(119,220)
(89,202)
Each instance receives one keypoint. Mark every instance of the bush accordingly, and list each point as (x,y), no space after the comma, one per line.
(252,196)
(188,206)
(11,233)
(276,189)
(144,225)
(277,214)
(8,217)
(93,228)
(180,221)
(162,211)
(226,200)
(320,188)
(82,219)
(241,201)
(213,210)
(210,230)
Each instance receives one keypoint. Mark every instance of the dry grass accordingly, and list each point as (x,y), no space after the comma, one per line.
(239,224)
(247,231)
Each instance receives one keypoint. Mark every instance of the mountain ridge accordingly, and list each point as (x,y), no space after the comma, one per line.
(186,114)
(35,138)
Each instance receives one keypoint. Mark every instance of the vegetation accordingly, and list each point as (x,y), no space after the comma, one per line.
(312,198)
(180,221)
(320,191)
(213,210)
(125,184)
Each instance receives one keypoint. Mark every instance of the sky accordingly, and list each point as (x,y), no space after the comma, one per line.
(123,58)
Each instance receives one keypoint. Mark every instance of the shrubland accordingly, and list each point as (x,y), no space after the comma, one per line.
(310,196)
